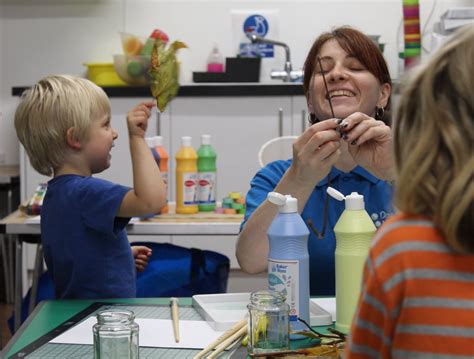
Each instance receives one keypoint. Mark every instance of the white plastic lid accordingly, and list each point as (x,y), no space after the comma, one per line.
(157,141)
(287,203)
(206,139)
(354,201)
(149,141)
(186,141)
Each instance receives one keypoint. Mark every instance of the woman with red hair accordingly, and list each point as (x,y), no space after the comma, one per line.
(348,146)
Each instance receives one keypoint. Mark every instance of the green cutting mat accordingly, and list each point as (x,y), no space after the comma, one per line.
(41,348)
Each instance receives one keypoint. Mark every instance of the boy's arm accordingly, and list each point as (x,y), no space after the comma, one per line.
(149,193)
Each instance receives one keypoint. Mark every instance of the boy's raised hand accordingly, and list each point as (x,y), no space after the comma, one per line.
(137,118)
(141,254)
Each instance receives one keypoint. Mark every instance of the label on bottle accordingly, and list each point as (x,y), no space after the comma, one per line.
(206,190)
(189,188)
(284,276)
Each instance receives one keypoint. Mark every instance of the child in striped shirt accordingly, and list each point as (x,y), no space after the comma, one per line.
(417,297)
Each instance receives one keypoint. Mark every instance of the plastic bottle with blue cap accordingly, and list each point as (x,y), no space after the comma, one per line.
(354,231)
(288,259)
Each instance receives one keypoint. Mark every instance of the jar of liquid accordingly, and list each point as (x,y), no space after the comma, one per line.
(268,322)
(115,335)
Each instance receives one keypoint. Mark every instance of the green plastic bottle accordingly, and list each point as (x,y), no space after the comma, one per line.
(206,164)
(354,231)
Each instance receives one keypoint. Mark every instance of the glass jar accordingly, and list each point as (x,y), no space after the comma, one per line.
(115,335)
(268,322)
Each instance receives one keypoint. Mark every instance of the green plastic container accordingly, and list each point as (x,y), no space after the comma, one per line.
(354,231)
(206,164)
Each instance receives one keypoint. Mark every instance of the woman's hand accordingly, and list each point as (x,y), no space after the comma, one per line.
(370,144)
(315,151)
(137,118)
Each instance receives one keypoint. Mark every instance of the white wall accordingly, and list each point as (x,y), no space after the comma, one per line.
(42,37)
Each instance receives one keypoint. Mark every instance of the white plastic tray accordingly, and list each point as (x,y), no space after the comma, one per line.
(222,311)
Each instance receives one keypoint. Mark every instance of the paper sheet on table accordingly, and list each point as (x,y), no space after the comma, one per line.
(328,304)
(157,333)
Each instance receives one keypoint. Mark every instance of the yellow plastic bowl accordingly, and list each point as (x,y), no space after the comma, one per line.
(103,74)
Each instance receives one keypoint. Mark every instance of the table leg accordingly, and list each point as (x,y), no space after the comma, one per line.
(36,276)
(6,267)
(10,249)
(18,282)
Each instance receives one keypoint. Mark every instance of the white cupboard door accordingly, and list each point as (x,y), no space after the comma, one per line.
(299,118)
(239,126)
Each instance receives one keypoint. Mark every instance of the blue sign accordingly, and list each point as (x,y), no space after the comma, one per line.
(258,25)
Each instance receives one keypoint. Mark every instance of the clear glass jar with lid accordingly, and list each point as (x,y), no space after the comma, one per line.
(268,322)
(116,335)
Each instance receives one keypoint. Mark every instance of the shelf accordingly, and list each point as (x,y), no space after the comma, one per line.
(207,90)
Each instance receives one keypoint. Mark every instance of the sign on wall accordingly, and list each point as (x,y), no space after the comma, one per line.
(263,23)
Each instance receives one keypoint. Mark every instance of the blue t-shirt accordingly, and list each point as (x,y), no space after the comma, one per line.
(85,245)
(378,203)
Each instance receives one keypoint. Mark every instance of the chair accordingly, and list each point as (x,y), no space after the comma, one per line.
(278,148)
(175,271)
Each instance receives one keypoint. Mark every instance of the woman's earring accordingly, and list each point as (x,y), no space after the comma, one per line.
(312,118)
(379,113)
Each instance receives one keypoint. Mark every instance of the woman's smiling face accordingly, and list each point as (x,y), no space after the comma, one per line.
(352,88)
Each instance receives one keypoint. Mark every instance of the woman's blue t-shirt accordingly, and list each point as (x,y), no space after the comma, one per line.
(378,204)
(86,248)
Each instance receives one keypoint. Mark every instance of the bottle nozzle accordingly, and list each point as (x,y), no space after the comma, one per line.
(287,204)
(354,201)
(277,198)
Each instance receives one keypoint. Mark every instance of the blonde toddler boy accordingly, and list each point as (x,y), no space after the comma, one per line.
(64,123)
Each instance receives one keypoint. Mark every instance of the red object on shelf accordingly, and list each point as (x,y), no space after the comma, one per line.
(157,33)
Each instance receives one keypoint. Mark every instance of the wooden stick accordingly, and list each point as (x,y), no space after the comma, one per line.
(221,347)
(227,334)
(175,317)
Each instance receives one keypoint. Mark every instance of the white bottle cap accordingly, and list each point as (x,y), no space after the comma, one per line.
(157,141)
(149,141)
(186,141)
(206,139)
(287,204)
(354,201)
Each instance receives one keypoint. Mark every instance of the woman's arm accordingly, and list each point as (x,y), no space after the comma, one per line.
(314,153)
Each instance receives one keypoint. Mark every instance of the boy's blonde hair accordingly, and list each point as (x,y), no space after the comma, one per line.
(49,109)
(434,135)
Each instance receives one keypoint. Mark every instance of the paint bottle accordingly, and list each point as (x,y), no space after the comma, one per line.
(157,144)
(206,164)
(186,178)
(288,259)
(215,61)
(354,231)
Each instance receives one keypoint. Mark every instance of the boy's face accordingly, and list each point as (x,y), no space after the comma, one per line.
(101,140)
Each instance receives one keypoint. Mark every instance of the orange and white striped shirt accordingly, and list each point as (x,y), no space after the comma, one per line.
(417,298)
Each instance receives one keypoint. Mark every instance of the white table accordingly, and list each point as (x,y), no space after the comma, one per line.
(17,226)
